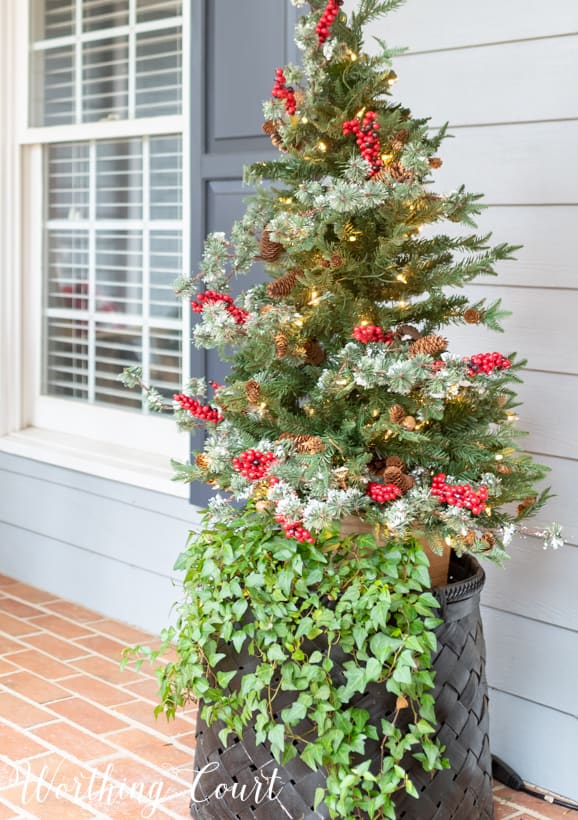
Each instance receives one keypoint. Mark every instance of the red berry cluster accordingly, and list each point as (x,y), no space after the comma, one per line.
(195,408)
(253,464)
(438,365)
(459,495)
(382,492)
(371,333)
(367,139)
(487,363)
(282,91)
(215,385)
(293,529)
(211,296)
(327,19)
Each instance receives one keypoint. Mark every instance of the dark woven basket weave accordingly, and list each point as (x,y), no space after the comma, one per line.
(463,792)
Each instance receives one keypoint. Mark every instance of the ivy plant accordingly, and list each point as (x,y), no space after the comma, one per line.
(294,607)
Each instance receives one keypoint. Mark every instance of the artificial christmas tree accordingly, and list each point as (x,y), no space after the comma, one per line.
(357,445)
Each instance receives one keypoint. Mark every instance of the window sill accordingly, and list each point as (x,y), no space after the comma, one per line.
(135,467)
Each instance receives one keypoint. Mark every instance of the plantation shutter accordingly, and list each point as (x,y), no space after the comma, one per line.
(113,238)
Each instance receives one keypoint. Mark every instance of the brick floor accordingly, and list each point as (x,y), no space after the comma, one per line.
(78,738)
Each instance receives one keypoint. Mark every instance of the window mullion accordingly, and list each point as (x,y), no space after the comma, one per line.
(131,59)
(78,62)
(92,272)
(146,199)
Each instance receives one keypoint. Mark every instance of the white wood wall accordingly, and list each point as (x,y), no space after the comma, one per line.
(505,75)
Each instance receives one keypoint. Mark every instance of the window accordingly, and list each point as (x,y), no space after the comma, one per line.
(106,159)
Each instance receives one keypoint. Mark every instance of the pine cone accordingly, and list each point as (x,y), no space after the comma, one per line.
(526,504)
(409,423)
(396,413)
(407,484)
(382,176)
(309,444)
(393,475)
(202,461)
(314,353)
(400,173)
(281,345)
(396,461)
(284,285)
(504,469)
(400,139)
(472,316)
(299,97)
(304,443)
(428,345)
(489,539)
(435,162)
(269,251)
(470,538)
(253,391)
(270,127)
(377,465)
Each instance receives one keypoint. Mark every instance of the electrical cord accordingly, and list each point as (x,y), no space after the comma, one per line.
(506,775)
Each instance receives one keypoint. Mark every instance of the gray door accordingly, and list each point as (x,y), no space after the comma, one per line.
(236,46)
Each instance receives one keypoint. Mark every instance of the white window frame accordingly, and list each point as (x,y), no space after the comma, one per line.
(111,443)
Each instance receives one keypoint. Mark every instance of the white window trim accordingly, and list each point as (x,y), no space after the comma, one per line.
(116,444)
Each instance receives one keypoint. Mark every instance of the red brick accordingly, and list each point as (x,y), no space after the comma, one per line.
(35,661)
(60,626)
(103,645)
(34,687)
(8,645)
(73,741)
(19,711)
(503,811)
(521,800)
(97,691)
(18,608)
(13,626)
(56,647)
(73,611)
(16,745)
(50,806)
(104,669)
(128,635)
(6,668)
(146,688)
(160,752)
(30,593)
(6,813)
(88,716)
(8,774)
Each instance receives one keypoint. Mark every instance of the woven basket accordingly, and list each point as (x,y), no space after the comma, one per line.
(463,792)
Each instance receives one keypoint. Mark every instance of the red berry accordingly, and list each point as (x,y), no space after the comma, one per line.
(253,464)
(198,410)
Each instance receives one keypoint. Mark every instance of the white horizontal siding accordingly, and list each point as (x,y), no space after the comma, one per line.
(503,75)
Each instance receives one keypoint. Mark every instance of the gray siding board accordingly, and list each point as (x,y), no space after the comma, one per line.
(539,742)
(525,656)
(103,544)
(536,584)
(504,82)
(107,585)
